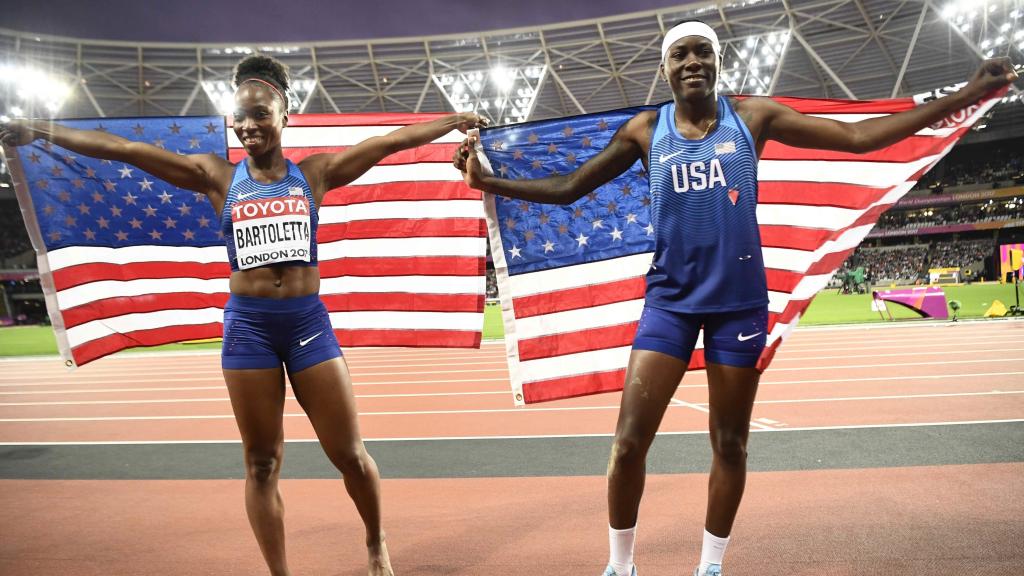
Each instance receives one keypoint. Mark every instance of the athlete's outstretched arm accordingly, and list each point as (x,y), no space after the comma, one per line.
(790,127)
(622,152)
(197,172)
(339,169)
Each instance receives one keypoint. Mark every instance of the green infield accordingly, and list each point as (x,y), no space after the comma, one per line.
(39,341)
(494,328)
(827,308)
(27,341)
(831,308)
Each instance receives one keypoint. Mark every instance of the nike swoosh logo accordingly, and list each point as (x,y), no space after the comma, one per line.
(244,196)
(662,158)
(743,338)
(310,339)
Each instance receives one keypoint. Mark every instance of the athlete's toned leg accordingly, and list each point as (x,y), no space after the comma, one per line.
(651,380)
(661,350)
(325,393)
(732,390)
(257,398)
(733,343)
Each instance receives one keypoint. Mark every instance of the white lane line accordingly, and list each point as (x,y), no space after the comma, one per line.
(125,356)
(212,354)
(521,437)
(212,371)
(485,345)
(793,343)
(226,399)
(910,339)
(221,386)
(356,376)
(898,354)
(301,414)
(7,379)
(679,403)
(442,382)
(891,397)
(954,346)
(113,390)
(497,364)
(73,381)
(872,379)
(357,382)
(696,406)
(701,408)
(898,364)
(974,326)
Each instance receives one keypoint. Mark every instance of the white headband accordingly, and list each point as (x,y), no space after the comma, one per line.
(690,29)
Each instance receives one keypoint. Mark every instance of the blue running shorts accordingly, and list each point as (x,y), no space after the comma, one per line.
(266,332)
(730,338)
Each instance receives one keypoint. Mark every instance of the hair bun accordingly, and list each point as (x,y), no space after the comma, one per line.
(263,67)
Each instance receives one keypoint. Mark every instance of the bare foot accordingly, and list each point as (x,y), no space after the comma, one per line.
(380,562)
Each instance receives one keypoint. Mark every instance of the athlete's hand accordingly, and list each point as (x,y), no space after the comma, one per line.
(472,173)
(993,74)
(460,155)
(16,133)
(469,120)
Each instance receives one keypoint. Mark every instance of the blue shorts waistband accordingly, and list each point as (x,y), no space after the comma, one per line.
(273,305)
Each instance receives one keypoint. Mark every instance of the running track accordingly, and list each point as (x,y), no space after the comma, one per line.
(889,448)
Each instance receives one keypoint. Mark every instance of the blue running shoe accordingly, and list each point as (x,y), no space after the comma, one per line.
(609,571)
(713,570)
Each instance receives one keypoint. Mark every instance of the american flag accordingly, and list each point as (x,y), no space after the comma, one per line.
(128,260)
(571,278)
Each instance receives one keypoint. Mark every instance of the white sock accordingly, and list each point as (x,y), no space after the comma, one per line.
(620,542)
(712,551)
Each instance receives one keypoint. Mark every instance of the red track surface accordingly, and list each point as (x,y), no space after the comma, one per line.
(825,522)
(879,376)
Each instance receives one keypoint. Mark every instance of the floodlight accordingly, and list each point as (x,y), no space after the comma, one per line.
(34,89)
(471,90)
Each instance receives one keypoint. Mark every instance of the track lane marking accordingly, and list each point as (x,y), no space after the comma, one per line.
(227,399)
(678,403)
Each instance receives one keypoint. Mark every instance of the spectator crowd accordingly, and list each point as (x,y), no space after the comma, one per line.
(990,211)
(978,164)
(911,263)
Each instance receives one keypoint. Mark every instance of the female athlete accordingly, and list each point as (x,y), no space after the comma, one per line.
(274,316)
(701,152)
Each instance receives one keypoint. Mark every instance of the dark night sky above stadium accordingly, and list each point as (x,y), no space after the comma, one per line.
(262,21)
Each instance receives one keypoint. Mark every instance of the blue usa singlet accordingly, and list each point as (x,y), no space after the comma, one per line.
(707,255)
(269,223)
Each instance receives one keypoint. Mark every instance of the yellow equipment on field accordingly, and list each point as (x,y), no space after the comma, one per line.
(997,309)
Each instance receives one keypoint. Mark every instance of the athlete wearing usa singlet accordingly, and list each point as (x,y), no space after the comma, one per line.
(266,224)
(701,152)
(267,207)
(707,269)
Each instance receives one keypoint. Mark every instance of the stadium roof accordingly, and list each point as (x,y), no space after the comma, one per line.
(816,48)
(298,20)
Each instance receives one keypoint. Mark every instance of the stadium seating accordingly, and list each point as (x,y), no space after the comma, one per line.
(910,263)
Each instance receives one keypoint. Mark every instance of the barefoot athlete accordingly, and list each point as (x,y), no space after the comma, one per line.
(274,316)
(701,151)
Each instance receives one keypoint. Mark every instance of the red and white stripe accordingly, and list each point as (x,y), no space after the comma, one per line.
(569,330)
(401,255)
